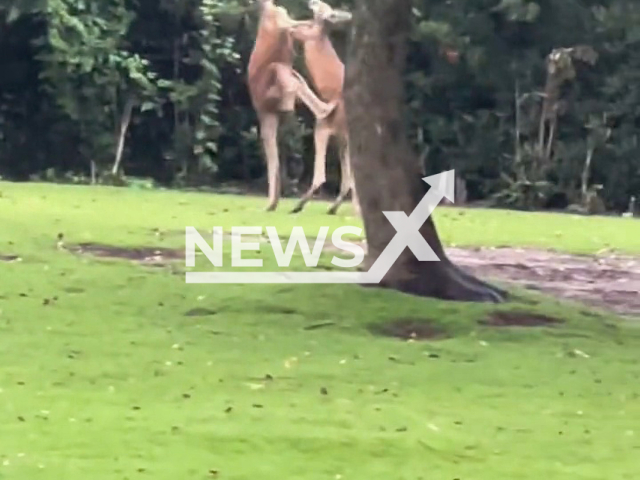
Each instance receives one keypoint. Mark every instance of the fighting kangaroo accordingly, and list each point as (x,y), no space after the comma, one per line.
(274,85)
(327,76)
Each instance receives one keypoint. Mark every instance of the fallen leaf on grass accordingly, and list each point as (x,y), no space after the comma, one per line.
(290,362)
(316,326)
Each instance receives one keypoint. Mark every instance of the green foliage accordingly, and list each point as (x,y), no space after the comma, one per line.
(525,195)
(171,74)
(90,72)
(518,10)
(11,10)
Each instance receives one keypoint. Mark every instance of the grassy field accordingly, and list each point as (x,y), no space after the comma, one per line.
(112,370)
(102,214)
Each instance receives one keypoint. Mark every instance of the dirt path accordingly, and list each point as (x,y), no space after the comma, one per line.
(611,281)
(606,281)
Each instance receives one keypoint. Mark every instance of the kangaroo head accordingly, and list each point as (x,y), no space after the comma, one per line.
(274,16)
(325,13)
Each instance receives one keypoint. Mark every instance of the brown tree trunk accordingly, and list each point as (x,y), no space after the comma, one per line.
(387,173)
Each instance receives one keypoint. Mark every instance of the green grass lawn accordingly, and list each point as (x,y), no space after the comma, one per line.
(106,214)
(110,370)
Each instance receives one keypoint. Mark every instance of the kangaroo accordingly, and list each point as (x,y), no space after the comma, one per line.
(274,86)
(327,76)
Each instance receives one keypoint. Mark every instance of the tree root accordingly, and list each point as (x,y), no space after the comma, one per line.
(465,286)
(446,282)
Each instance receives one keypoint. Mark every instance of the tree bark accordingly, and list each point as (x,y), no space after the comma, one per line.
(387,173)
(584,178)
(124,127)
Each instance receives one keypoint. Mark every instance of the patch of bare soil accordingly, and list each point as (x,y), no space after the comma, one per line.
(200,312)
(408,328)
(146,255)
(605,281)
(608,281)
(519,319)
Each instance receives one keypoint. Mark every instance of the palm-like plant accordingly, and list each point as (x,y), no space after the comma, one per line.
(10,10)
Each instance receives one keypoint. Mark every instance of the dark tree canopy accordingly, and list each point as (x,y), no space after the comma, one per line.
(159,87)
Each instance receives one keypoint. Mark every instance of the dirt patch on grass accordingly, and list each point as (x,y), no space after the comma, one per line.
(409,329)
(200,312)
(519,319)
(608,281)
(605,281)
(146,255)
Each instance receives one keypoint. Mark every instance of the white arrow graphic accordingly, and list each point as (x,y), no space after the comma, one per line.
(408,228)
(407,235)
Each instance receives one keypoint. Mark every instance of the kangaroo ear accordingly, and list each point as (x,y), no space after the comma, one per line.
(339,16)
(320,9)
